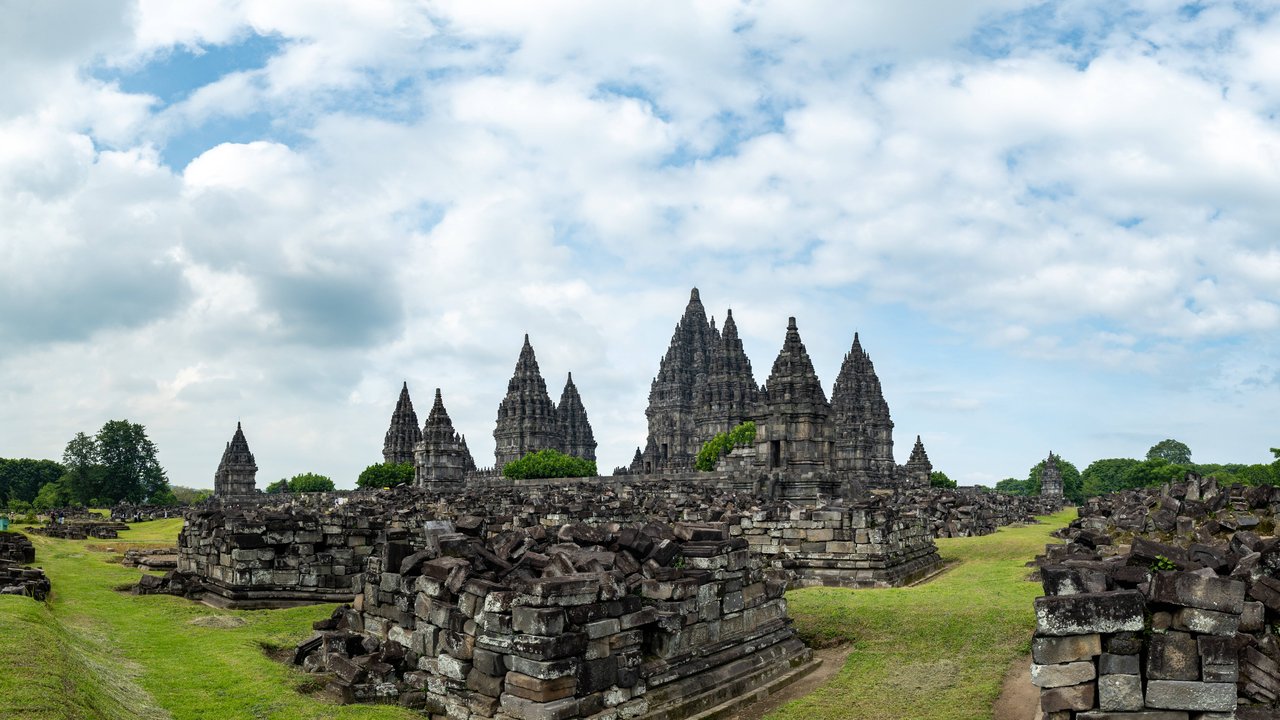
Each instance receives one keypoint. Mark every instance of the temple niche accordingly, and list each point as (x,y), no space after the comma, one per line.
(705,386)
(237,472)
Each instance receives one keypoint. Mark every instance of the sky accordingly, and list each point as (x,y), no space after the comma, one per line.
(1056,226)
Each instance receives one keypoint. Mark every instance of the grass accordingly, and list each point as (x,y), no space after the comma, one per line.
(97,653)
(939,650)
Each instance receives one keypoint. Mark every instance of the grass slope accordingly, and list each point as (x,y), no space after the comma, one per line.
(99,653)
(936,651)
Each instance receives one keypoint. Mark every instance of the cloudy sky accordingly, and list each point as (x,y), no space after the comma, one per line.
(1055,225)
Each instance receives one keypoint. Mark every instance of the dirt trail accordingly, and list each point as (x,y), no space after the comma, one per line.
(1019,699)
(832,661)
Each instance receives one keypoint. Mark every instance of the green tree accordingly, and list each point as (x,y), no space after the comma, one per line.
(1012,486)
(385,475)
(1156,472)
(52,495)
(1107,476)
(128,457)
(310,482)
(1170,450)
(22,478)
(84,477)
(549,464)
(939,479)
(165,498)
(742,435)
(189,495)
(277,487)
(1072,488)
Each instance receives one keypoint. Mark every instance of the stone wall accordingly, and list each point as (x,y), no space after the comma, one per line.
(16,550)
(575,621)
(1163,600)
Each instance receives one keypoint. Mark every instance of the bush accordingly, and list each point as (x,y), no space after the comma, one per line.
(549,464)
(385,475)
(722,444)
(939,479)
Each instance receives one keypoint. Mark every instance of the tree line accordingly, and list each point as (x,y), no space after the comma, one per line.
(1167,461)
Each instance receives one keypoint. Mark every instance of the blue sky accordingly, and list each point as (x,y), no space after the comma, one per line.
(1053,224)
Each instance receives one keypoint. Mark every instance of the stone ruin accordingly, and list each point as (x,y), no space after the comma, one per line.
(1050,477)
(67,528)
(16,551)
(1162,604)
(237,472)
(663,621)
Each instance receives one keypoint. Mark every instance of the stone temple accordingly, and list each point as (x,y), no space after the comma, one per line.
(1050,477)
(528,421)
(237,473)
(705,386)
(404,434)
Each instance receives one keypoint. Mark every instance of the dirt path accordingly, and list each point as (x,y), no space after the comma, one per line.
(832,661)
(1019,699)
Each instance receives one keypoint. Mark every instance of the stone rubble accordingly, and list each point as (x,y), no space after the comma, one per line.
(16,551)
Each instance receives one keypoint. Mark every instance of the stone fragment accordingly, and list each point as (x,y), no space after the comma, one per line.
(1188,695)
(1120,692)
(1072,697)
(1208,622)
(1172,655)
(1051,676)
(1065,649)
(1118,611)
(1198,591)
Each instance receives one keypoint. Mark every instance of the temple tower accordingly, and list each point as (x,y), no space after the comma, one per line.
(730,394)
(404,434)
(575,429)
(1050,477)
(237,473)
(442,455)
(794,429)
(671,443)
(527,420)
(918,468)
(863,428)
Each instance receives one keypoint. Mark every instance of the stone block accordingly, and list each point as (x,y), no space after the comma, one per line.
(1253,616)
(538,620)
(1120,692)
(524,709)
(1069,648)
(1051,676)
(1207,622)
(1110,664)
(1188,695)
(1144,715)
(1198,591)
(1172,655)
(1072,697)
(1083,614)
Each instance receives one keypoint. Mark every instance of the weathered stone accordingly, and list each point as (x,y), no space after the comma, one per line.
(1051,676)
(1073,697)
(1186,695)
(1172,655)
(1110,664)
(1065,649)
(1198,591)
(1120,692)
(1087,613)
(1208,622)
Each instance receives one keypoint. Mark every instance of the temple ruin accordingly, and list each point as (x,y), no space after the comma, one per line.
(237,472)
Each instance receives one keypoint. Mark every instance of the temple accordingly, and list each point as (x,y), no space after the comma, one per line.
(441,457)
(1050,477)
(528,421)
(705,386)
(237,473)
(918,468)
(404,434)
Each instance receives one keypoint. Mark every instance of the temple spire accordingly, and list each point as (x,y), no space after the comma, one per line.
(527,419)
(403,434)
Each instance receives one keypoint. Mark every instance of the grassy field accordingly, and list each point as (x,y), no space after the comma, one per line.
(935,651)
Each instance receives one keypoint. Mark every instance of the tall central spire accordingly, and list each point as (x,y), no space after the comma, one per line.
(403,434)
(672,396)
(527,420)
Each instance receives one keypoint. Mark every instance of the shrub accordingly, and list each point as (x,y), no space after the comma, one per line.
(723,443)
(549,464)
(385,475)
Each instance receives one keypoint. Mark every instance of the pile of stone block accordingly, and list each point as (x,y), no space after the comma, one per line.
(275,556)
(16,551)
(951,513)
(576,621)
(161,559)
(131,513)
(81,529)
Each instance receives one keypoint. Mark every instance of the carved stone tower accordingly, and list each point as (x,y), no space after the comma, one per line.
(863,428)
(794,428)
(575,429)
(672,442)
(442,455)
(404,434)
(918,468)
(730,395)
(237,473)
(527,420)
(1050,477)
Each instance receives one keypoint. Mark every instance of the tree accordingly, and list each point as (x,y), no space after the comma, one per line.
(385,475)
(743,435)
(165,498)
(278,487)
(1107,476)
(1156,472)
(1170,450)
(939,479)
(22,478)
(190,496)
(128,457)
(84,478)
(52,495)
(1012,486)
(310,482)
(549,464)
(1072,488)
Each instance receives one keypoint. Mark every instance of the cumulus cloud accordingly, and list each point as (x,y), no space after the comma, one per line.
(365,192)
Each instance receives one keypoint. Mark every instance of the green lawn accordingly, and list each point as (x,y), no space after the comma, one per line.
(936,651)
(97,653)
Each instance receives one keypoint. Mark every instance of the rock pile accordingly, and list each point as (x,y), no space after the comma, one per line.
(16,550)
(969,513)
(548,623)
(1178,619)
(153,559)
(81,529)
(130,513)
